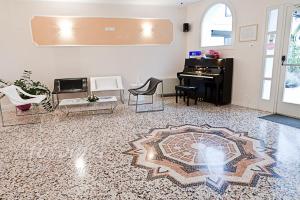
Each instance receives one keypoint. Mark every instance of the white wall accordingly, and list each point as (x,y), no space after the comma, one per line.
(248,56)
(17,52)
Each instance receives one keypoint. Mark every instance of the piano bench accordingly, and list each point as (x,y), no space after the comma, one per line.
(188,91)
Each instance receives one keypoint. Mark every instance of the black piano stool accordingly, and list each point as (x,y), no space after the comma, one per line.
(188,91)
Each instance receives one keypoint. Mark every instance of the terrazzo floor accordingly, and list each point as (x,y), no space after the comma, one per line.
(84,156)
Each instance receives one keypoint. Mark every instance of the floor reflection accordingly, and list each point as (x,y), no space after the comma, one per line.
(80,165)
(215,159)
(288,145)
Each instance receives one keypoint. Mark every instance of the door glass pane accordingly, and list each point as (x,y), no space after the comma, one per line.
(271,44)
(267,90)
(292,77)
(292,85)
(273,20)
(269,67)
(294,47)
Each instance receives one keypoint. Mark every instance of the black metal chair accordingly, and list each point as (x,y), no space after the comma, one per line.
(150,91)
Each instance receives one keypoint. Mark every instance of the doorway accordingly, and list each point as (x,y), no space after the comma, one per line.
(288,95)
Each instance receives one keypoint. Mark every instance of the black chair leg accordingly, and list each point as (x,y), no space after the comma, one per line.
(176,96)
(188,100)
(129,99)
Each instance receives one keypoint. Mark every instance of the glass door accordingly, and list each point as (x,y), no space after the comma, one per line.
(288,102)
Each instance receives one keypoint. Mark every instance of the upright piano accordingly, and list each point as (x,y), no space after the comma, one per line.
(211,77)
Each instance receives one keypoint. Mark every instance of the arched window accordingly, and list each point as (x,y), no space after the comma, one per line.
(217,26)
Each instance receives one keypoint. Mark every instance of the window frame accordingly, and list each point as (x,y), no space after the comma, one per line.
(233,40)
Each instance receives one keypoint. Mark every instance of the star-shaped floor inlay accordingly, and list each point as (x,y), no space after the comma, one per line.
(190,155)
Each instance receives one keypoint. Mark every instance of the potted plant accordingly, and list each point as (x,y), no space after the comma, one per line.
(92,98)
(32,87)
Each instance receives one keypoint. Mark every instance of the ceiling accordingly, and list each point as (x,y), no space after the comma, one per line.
(137,2)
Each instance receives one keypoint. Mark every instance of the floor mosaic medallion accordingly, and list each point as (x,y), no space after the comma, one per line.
(191,155)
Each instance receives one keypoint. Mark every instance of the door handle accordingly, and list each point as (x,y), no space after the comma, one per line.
(283,59)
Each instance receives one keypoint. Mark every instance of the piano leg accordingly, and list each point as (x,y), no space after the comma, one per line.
(209,92)
(217,98)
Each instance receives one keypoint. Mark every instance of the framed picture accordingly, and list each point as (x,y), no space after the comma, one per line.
(248,33)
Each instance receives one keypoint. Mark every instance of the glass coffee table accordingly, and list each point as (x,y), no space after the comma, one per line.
(107,104)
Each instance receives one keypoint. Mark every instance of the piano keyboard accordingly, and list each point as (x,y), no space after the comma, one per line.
(196,76)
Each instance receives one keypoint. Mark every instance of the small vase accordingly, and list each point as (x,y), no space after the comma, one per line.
(24,108)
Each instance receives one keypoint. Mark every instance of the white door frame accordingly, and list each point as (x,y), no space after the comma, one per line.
(271,104)
(281,107)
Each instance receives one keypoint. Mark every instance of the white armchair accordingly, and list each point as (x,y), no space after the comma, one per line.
(108,83)
(13,94)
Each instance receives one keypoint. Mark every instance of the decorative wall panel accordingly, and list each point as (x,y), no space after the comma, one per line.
(84,31)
